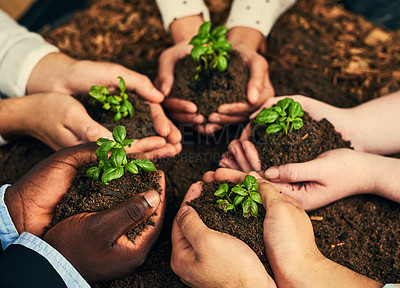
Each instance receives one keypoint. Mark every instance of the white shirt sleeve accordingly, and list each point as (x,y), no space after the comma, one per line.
(20,51)
(257,14)
(173,9)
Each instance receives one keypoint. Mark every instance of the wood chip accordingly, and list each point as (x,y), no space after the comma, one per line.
(337,245)
(317,218)
(376,37)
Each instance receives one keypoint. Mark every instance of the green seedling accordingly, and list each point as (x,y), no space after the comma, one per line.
(113,167)
(210,48)
(284,115)
(115,103)
(246,195)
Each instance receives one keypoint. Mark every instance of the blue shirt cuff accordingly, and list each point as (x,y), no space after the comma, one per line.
(8,232)
(68,273)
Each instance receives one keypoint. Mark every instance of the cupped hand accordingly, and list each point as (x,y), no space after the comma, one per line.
(31,201)
(203,257)
(243,154)
(58,72)
(96,244)
(334,175)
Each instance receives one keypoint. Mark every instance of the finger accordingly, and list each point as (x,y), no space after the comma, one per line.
(120,219)
(210,128)
(146,144)
(236,108)
(209,176)
(295,172)
(246,134)
(64,138)
(267,191)
(88,130)
(141,84)
(251,154)
(228,161)
(237,151)
(235,176)
(193,192)
(192,227)
(258,73)
(187,118)
(226,119)
(168,150)
(179,105)
(163,125)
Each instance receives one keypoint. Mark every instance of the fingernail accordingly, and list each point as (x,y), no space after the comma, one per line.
(152,198)
(198,119)
(215,118)
(183,210)
(255,175)
(164,89)
(253,95)
(191,109)
(272,173)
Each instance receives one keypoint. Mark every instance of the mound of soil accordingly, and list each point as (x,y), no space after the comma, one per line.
(211,89)
(305,144)
(89,195)
(139,126)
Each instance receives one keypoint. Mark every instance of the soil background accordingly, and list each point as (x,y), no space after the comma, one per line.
(316,49)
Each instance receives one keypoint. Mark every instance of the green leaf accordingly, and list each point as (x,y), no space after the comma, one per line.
(145,164)
(98,96)
(295,109)
(250,183)
(266,116)
(255,197)
(101,141)
(131,167)
(204,30)
(112,174)
(273,128)
(117,157)
(239,191)
(119,133)
(222,63)
(197,51)
(117,116)
(238,199)
(93,172)
(95,88)
(279,110)
(106,106)
(219,31)
(284,103)
(254,208)
(223,190)
(246,206)
(104,90)
(229,207)
(129,108)
(127,142)
(122,86)
(223,45)
(112,100)
(102,151)
(297,123)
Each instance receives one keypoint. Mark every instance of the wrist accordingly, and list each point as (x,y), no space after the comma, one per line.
(245,36)
(183,29)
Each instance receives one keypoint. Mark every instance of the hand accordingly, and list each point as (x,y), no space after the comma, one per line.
(96,244)
(58,72)
(259,88)
(203,257)
(335,174)
(31,201)
(244,156)
(292,252)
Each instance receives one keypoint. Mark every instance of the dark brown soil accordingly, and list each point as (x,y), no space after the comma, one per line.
(211,89)
(249,230)
(316,49)
(89,195)
(137,127)
(305,144)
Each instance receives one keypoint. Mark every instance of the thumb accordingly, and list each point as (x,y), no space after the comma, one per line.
(294,172)
(192,227)
(118,220)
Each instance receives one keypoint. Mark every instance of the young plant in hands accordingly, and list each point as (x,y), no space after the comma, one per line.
(210,48)
(115,103)
(246,195)
(116,165)
(284,115)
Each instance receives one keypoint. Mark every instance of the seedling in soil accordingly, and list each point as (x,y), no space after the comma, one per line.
(246,193)
(210,48)
(284,115)
(115,103)
(116,165)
